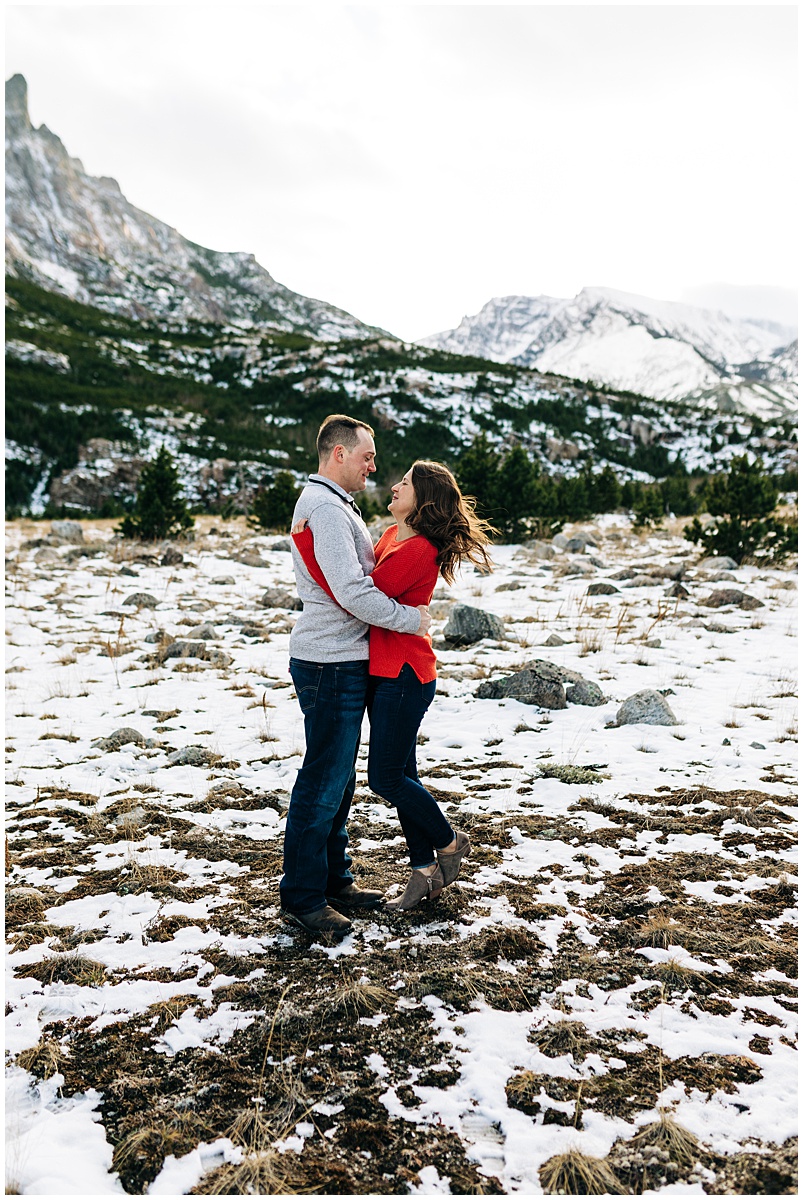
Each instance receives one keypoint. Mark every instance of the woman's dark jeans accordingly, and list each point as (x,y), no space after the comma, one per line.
(316,862)
(396,708)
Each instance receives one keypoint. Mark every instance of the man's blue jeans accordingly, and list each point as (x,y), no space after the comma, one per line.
(332,697)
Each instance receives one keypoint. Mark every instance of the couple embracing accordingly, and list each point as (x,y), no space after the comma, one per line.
(362,641)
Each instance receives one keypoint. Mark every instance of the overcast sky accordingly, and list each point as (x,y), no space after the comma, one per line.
(407,163)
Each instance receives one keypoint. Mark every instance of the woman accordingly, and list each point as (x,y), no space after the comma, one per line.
(436,530)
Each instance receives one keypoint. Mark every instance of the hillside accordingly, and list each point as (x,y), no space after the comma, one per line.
(90,395)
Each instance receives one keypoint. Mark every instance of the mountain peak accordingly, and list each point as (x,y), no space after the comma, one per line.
(17,119)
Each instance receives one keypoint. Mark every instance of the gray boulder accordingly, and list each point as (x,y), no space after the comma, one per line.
(555,639)
(643,581)
(724,596)
(467,625)
(677,590)
(539,550)
(717,563)
(181,648)
(207,632)
(223,580)
(279,598)
(601,589)
(528,686)
(68,531)
(645,708)
(47,555)
(172,557)
(140,600)
(283,545)
(193,756)
(585,692)
(122,737)
(560,541)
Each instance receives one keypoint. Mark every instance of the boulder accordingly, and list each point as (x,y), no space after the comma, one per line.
(539,550)
(223,580)
(643,581)
(579,542)
(601,589)
(279,598)
(528,686)
(717,563)
(724,596)
(181,648)
(193,756)
(560,541)
(140,600)
(172,557)
(283,545)
(467,625)
(585,692)
(645,708)
(68,531)
(677,590)
(555,639)
(47,555)
(122,737)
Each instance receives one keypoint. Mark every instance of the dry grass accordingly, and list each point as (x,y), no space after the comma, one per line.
(667,1134)
(358,998)
(43,1060)
(562,1037)
(66,968)
(576,1174)
(660,931)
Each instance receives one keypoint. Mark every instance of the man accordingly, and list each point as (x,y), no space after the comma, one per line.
(329,667)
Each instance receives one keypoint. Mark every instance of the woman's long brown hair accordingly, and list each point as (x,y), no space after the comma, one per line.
(448,519)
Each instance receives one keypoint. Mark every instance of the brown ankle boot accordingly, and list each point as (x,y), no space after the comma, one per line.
(450,862)
(419,887)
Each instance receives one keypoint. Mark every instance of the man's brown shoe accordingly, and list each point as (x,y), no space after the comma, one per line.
(352,899)
(323,920)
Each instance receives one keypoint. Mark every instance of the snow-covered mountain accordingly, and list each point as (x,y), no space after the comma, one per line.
(656,348)
(77,234)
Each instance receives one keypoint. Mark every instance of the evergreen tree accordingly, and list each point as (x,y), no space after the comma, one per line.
(517,494)
(273,506)
(648,508)
(743,502)
(478,475)
(159,509)
(605,491)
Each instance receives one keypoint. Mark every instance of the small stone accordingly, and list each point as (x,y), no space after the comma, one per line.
(47,555)
(733,596)
(128,571)
(158,637)
(555,639)
(726,741)
(601,589)
(625,573)
(140,600)
(279,598)
(539,550)
(172,557)
(653,643)
(677,590)
(467,625)
(643,581)
(757,746)
(122,737)
(585,692)
(645,708)
(513,586)
(717,563)
(205,631)
(193,756)
(68,531)
(223,580)
(282,546)
(560,541)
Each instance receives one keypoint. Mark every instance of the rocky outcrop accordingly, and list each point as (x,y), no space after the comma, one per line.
(467,625)
(543,684)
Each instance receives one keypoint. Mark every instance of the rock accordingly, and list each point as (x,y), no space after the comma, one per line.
(182,648)
(513,586)
(172,557)
(161,714)
(539,550)
(733,596)
(278,598)
(669,571)
(249,559)
(467,625)
(653,643)
(206,631)
(578,566)
(645,708)
(585,692)
(223,580)
(560,541)
(128,571)
(722,577)
(282,545)
(555,639)
(678,590)
(715,563)
(578,543)
(68,531)
(757,746)
(530,687)
(193,756)
(717,627)
(643,581)
(625,573)
(158,637)
(122,737)
(254,631)
(596,562)
(601,589)
(140,600)
(47,555)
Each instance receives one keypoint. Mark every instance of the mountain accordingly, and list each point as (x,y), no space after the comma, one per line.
(656,348)
(76,234)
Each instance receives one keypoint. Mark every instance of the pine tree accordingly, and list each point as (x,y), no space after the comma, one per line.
(517,494)
(742,503)
(159,510)
(478,476)
(273,506)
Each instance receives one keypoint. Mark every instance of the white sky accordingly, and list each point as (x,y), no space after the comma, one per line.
(407,163)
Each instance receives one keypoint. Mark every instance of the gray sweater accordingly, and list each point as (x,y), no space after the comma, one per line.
(325,632)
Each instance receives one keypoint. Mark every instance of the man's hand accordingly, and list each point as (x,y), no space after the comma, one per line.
(426,620)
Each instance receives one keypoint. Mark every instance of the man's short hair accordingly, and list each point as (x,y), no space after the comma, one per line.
(339,430)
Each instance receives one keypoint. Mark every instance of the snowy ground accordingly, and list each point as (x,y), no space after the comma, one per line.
(615,947)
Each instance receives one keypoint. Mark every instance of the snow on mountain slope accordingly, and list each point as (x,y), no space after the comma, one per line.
(657,348)
(74,233)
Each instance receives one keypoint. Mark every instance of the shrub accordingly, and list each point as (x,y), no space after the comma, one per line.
(159,509)
(742,503)
(273,506)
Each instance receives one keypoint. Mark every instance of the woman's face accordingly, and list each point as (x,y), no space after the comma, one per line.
(403,501)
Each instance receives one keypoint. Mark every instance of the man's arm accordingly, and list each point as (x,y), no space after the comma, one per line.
(337,558)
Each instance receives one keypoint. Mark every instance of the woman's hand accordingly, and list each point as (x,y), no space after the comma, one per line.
(299,527)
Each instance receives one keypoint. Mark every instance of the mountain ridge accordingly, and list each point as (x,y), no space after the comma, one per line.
(660,348)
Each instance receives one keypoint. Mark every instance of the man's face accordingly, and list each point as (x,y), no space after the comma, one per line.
(358,463)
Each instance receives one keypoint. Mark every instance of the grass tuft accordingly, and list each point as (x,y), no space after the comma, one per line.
(358,998)
(576,1174)
(668,1134)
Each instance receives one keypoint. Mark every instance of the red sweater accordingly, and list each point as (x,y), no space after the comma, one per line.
(406,571)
